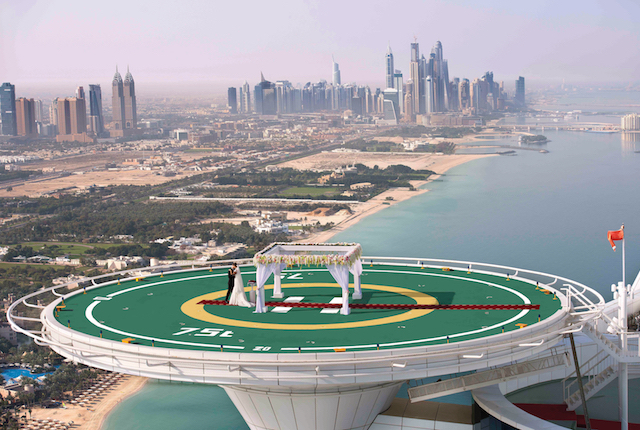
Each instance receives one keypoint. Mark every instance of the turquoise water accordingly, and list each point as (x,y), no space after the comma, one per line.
(548,212)
(15,372)
(174,406)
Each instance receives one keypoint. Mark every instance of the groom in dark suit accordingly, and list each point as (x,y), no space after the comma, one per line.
(232,277)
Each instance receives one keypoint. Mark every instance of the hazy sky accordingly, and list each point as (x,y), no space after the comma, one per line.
(217,44)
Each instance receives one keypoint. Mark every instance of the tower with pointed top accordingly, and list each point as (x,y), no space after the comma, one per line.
(117,100)
(389,68)
(336,73)
(130,112)
(125,118)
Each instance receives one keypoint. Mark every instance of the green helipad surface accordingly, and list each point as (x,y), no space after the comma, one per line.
(164,311)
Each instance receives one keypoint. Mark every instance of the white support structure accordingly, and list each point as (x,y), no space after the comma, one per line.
(330,390)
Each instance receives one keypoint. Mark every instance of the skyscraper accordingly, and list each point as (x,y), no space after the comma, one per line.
(398,85)
(125,118)
(117,100)
(232,102)
(72,120)
(96,120)
(8,109)
(464,94)
(39,111)
(408,103)
(130,109)
(265,97)
(336,73)
(246,95)
(520,91)
(26,117)
(53,112)
(80,92)
(389,68)
(391,110)
(415,76)
(429,98)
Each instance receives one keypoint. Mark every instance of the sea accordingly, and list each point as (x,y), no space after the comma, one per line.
(548,212)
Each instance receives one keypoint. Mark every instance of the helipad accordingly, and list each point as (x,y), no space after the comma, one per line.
(164,311)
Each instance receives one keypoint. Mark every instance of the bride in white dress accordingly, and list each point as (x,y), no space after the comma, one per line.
(238,298)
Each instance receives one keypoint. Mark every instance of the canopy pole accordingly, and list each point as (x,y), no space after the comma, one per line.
(357,289)
(345,310)
(277,284)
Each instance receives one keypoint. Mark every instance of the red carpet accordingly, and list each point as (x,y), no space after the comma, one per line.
(383,306)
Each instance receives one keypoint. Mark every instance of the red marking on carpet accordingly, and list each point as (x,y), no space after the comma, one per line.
(403,306)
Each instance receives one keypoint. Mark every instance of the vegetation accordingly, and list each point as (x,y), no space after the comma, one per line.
(421,130)
(538,138)
(8,175)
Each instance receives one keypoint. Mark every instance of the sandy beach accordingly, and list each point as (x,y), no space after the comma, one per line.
(437,163)
(92,417)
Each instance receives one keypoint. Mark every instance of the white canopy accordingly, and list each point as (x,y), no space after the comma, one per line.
(339,258)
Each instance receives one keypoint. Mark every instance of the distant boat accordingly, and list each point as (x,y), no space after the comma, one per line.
(601,131)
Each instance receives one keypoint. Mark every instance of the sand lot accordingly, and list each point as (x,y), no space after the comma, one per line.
(125,177)
(417,161)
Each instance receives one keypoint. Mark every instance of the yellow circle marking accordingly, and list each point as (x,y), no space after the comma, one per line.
(194,310)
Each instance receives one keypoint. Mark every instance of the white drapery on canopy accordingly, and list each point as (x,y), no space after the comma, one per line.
(339,258)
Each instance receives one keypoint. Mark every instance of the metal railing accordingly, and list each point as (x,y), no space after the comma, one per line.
(401,362)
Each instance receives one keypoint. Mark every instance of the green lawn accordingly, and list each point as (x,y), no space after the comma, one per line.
(311,191)
(4,265)
(71,248)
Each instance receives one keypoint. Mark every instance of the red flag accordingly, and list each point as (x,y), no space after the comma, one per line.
(615,235)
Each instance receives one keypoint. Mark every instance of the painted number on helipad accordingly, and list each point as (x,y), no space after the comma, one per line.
(262,348)
(210,332)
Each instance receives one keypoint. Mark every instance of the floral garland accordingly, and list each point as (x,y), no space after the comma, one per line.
(308,260)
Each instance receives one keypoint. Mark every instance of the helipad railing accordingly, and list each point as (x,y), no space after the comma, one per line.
(583,300)
(578,301)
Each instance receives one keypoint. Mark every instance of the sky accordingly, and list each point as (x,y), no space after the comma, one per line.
(205,46)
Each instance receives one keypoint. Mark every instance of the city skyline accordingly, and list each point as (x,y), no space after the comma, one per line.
(519,41)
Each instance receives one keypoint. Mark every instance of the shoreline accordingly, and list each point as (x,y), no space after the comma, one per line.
(397,195)
(94,417)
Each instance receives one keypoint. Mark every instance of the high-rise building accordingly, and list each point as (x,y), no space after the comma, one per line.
(416,77)
(39,109)
(246,97)
(336,80)
(464,94)
(72,120)
(409,113)
(26,117)
(117,100)
(8,109)
(125,117)
(389,68)
(520,91)
(96,120)
(80,92)
(265,97)
(398,85)
(232,97)
(630,122)
(454,100)
(53,112)
(130,108)
(429,98)
(391,110)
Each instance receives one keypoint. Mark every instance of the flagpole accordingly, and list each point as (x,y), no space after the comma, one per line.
(623,370)
(623,260)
